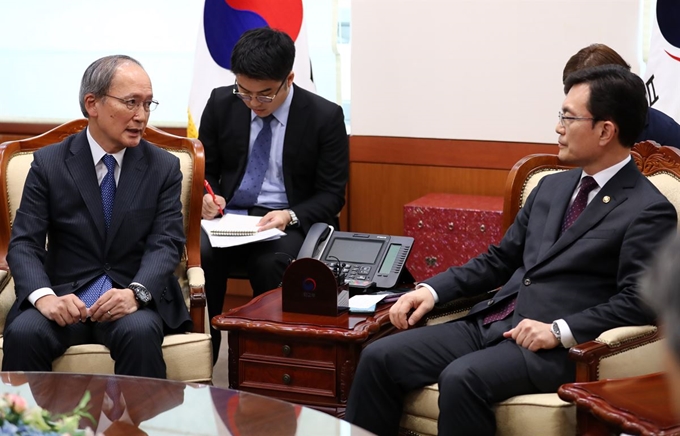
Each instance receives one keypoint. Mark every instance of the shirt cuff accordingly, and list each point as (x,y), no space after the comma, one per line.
(429,288)
(38,294)
(568,340)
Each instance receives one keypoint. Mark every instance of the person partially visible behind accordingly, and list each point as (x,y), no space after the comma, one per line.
(660,290)
(272,149)
(659,127)
(109,203)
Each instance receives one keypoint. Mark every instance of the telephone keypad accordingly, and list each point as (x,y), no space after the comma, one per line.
(352,272)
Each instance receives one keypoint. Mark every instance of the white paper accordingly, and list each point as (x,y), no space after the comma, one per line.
(232,241)
(237,222)
(365,301)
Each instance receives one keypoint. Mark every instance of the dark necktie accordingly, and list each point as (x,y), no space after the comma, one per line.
(576,208)
(90,293)
(246,195)
(580,202)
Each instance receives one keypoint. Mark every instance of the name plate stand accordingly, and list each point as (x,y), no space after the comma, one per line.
(310,286)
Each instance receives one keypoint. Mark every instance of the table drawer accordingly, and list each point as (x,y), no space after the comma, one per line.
(255,346)
(289,378)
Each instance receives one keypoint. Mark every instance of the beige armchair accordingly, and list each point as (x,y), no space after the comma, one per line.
(188,356)
(621,352)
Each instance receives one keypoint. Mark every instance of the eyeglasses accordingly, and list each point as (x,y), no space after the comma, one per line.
(260,98)
(563,117)
(133,103)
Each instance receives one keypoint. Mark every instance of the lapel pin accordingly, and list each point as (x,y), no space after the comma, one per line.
(606,199)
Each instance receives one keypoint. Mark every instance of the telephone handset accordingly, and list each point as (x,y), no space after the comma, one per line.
(316,241)
(365,259)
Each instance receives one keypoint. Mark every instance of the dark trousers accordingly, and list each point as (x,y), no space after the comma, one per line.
(32,342)
(263,262)
(473,365)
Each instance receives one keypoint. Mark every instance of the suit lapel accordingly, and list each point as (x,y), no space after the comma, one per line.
(616,191)
(298,117)
(81,167)
(558,207)
(130,182)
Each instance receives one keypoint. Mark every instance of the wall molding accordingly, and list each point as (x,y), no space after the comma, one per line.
(442,152)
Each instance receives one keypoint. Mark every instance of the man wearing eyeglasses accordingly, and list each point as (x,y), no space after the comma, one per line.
(274,150)
(567,269)
(109,204)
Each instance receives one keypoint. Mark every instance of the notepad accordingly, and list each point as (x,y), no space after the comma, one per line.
(236,225)
(216,228)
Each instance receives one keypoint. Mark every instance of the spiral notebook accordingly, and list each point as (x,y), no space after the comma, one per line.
(236,225)
(232,230)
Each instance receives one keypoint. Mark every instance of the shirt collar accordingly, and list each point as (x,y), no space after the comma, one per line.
(280,114)
(606,174)
(98,152)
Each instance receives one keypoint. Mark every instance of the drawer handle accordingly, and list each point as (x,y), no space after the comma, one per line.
(420,224)
(286,350)
(450,226)
(431,260)
(482,228)
(287,379)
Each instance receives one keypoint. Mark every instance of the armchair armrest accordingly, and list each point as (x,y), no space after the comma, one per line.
(197,300)
(620,352)
(4,278)
(452,310)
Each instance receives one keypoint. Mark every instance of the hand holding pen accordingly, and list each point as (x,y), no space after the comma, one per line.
(213,196)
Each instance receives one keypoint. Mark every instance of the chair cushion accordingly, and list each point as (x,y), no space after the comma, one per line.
(543,414)
(188,358)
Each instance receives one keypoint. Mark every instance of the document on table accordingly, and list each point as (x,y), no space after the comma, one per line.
(232,230)
(366,302)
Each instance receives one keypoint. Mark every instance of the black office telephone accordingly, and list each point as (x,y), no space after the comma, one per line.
(366,260)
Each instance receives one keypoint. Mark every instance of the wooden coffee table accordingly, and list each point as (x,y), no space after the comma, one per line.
(306,359)
(163,407)
(636,405)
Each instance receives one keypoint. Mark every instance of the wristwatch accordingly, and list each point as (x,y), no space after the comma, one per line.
(555,329)
(142,295)
(293,219)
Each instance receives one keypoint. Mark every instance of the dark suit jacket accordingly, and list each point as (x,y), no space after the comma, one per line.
(62,201)
(588,276)
(315,152)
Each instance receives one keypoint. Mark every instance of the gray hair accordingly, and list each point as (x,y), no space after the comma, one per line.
(98,77)
(660,288)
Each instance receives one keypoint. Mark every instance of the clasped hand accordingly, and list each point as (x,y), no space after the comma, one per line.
(533,335)
(69,309)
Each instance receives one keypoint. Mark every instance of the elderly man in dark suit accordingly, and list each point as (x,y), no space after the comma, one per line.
(272,149)
(109,204)
(568,267)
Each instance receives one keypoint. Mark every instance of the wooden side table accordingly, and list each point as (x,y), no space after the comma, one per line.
(636,405)
(305,359)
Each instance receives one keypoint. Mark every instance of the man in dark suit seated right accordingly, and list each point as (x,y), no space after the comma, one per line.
(568,272)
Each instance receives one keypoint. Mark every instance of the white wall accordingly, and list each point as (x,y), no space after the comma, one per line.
(474,69)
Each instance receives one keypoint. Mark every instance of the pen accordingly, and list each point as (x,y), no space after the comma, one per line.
(212,194)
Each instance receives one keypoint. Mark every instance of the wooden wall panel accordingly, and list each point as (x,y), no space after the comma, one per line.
(378,192)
